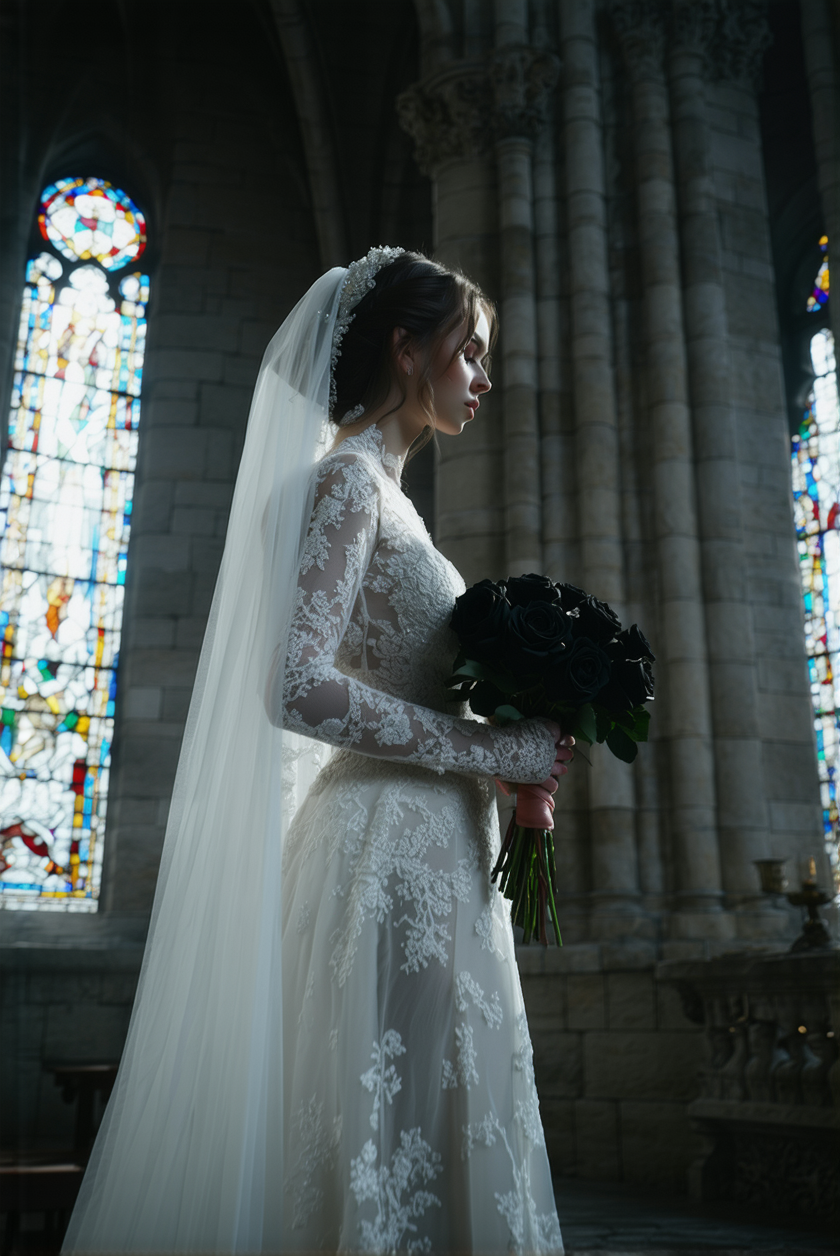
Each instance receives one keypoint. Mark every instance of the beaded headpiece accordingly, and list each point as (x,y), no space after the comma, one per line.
(361,278)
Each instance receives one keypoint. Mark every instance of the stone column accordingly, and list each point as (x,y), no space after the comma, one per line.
(319,151)
(741,798)
(820,39)
(19,190)
(522,80)
(682,634)
(556,435)
(611,796)
(448,115)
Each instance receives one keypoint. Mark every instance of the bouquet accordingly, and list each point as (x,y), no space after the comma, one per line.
(529,647)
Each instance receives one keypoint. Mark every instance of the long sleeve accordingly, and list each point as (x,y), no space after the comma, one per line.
(321,701)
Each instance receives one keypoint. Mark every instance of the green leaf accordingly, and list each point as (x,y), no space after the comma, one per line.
(503,681)
(506,715)
(603,723)
(470,670)
(622,746)
(641,723)
(586,725)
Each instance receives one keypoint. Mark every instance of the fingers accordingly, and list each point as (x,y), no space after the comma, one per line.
(565,754)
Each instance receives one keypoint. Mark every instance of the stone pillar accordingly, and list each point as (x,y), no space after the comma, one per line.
(820,39)
(303,68)
(615,882)
(448,117)
(522,79)
(556,436)
(19,190)
(741,797)
(682,650)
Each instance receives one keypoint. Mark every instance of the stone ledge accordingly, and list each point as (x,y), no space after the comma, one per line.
(785,1114)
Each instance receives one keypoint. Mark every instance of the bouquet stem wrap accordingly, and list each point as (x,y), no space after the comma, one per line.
(526,867)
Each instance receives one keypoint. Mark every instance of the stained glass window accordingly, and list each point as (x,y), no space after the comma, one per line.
(819,293)
(65,510)
(816,492)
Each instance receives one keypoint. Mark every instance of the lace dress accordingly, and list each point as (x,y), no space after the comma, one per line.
(412,1121)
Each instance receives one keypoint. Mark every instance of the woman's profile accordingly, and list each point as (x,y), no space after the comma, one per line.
(329,1049)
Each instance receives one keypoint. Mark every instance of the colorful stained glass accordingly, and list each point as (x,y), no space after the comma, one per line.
(819,294)
(65,509)
(816,492)
(88,219)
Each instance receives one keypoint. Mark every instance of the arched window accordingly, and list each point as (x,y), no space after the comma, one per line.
(816,492)
(65,508)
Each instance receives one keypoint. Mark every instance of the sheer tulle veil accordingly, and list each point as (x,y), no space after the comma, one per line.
(188,1157)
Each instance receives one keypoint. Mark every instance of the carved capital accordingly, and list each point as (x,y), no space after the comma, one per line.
(448,116)
(641,27)
(693,25)
(740,41)
(460,112)
(523,80)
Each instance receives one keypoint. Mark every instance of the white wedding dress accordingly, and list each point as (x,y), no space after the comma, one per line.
(412,1121)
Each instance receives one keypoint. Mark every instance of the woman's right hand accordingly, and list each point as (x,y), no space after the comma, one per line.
(531,734)
(563,743)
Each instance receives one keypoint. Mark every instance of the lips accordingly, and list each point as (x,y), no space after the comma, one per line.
(472,405)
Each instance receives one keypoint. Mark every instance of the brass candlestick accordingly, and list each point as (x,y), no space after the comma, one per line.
(814,933)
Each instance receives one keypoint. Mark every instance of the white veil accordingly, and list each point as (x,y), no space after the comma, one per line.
(188,1157)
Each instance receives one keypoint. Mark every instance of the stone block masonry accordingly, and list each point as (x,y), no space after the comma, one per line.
(218,294)
(616,1061)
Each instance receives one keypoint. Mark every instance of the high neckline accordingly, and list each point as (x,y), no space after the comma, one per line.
(372,441)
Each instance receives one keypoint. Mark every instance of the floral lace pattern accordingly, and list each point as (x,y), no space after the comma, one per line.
(373,602)
(415,1121)
(413,1164)
(318,1146)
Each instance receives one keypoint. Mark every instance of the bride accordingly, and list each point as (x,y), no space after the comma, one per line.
(329,1050)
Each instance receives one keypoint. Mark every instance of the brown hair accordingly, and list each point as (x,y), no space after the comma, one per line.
(428,301)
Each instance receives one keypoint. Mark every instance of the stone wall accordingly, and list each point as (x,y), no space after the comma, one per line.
(57,1006)
(615,1057)
(616,1062)
(788,748)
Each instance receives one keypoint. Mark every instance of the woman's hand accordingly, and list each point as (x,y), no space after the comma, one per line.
(565,753)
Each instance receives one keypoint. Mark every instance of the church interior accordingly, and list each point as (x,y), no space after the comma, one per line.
(649,190)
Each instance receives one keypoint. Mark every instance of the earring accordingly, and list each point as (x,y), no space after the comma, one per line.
(409,370)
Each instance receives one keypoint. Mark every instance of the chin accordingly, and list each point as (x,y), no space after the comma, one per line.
(453,425)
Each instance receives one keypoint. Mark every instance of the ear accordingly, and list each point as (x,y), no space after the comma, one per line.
(405,357)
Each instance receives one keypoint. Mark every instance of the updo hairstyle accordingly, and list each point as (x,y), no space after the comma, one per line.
(428,301)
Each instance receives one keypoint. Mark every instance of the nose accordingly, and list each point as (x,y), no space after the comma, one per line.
(481,383)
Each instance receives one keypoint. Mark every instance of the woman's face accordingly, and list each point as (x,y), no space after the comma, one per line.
(461,381)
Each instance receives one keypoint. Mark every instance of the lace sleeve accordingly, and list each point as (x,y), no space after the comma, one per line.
(321,701)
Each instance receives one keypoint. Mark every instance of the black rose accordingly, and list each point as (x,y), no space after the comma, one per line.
(634,644)
(630,684)
(596,620)
(537,637)
(479,620)
(570,596)
(583,673)
(521,590)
